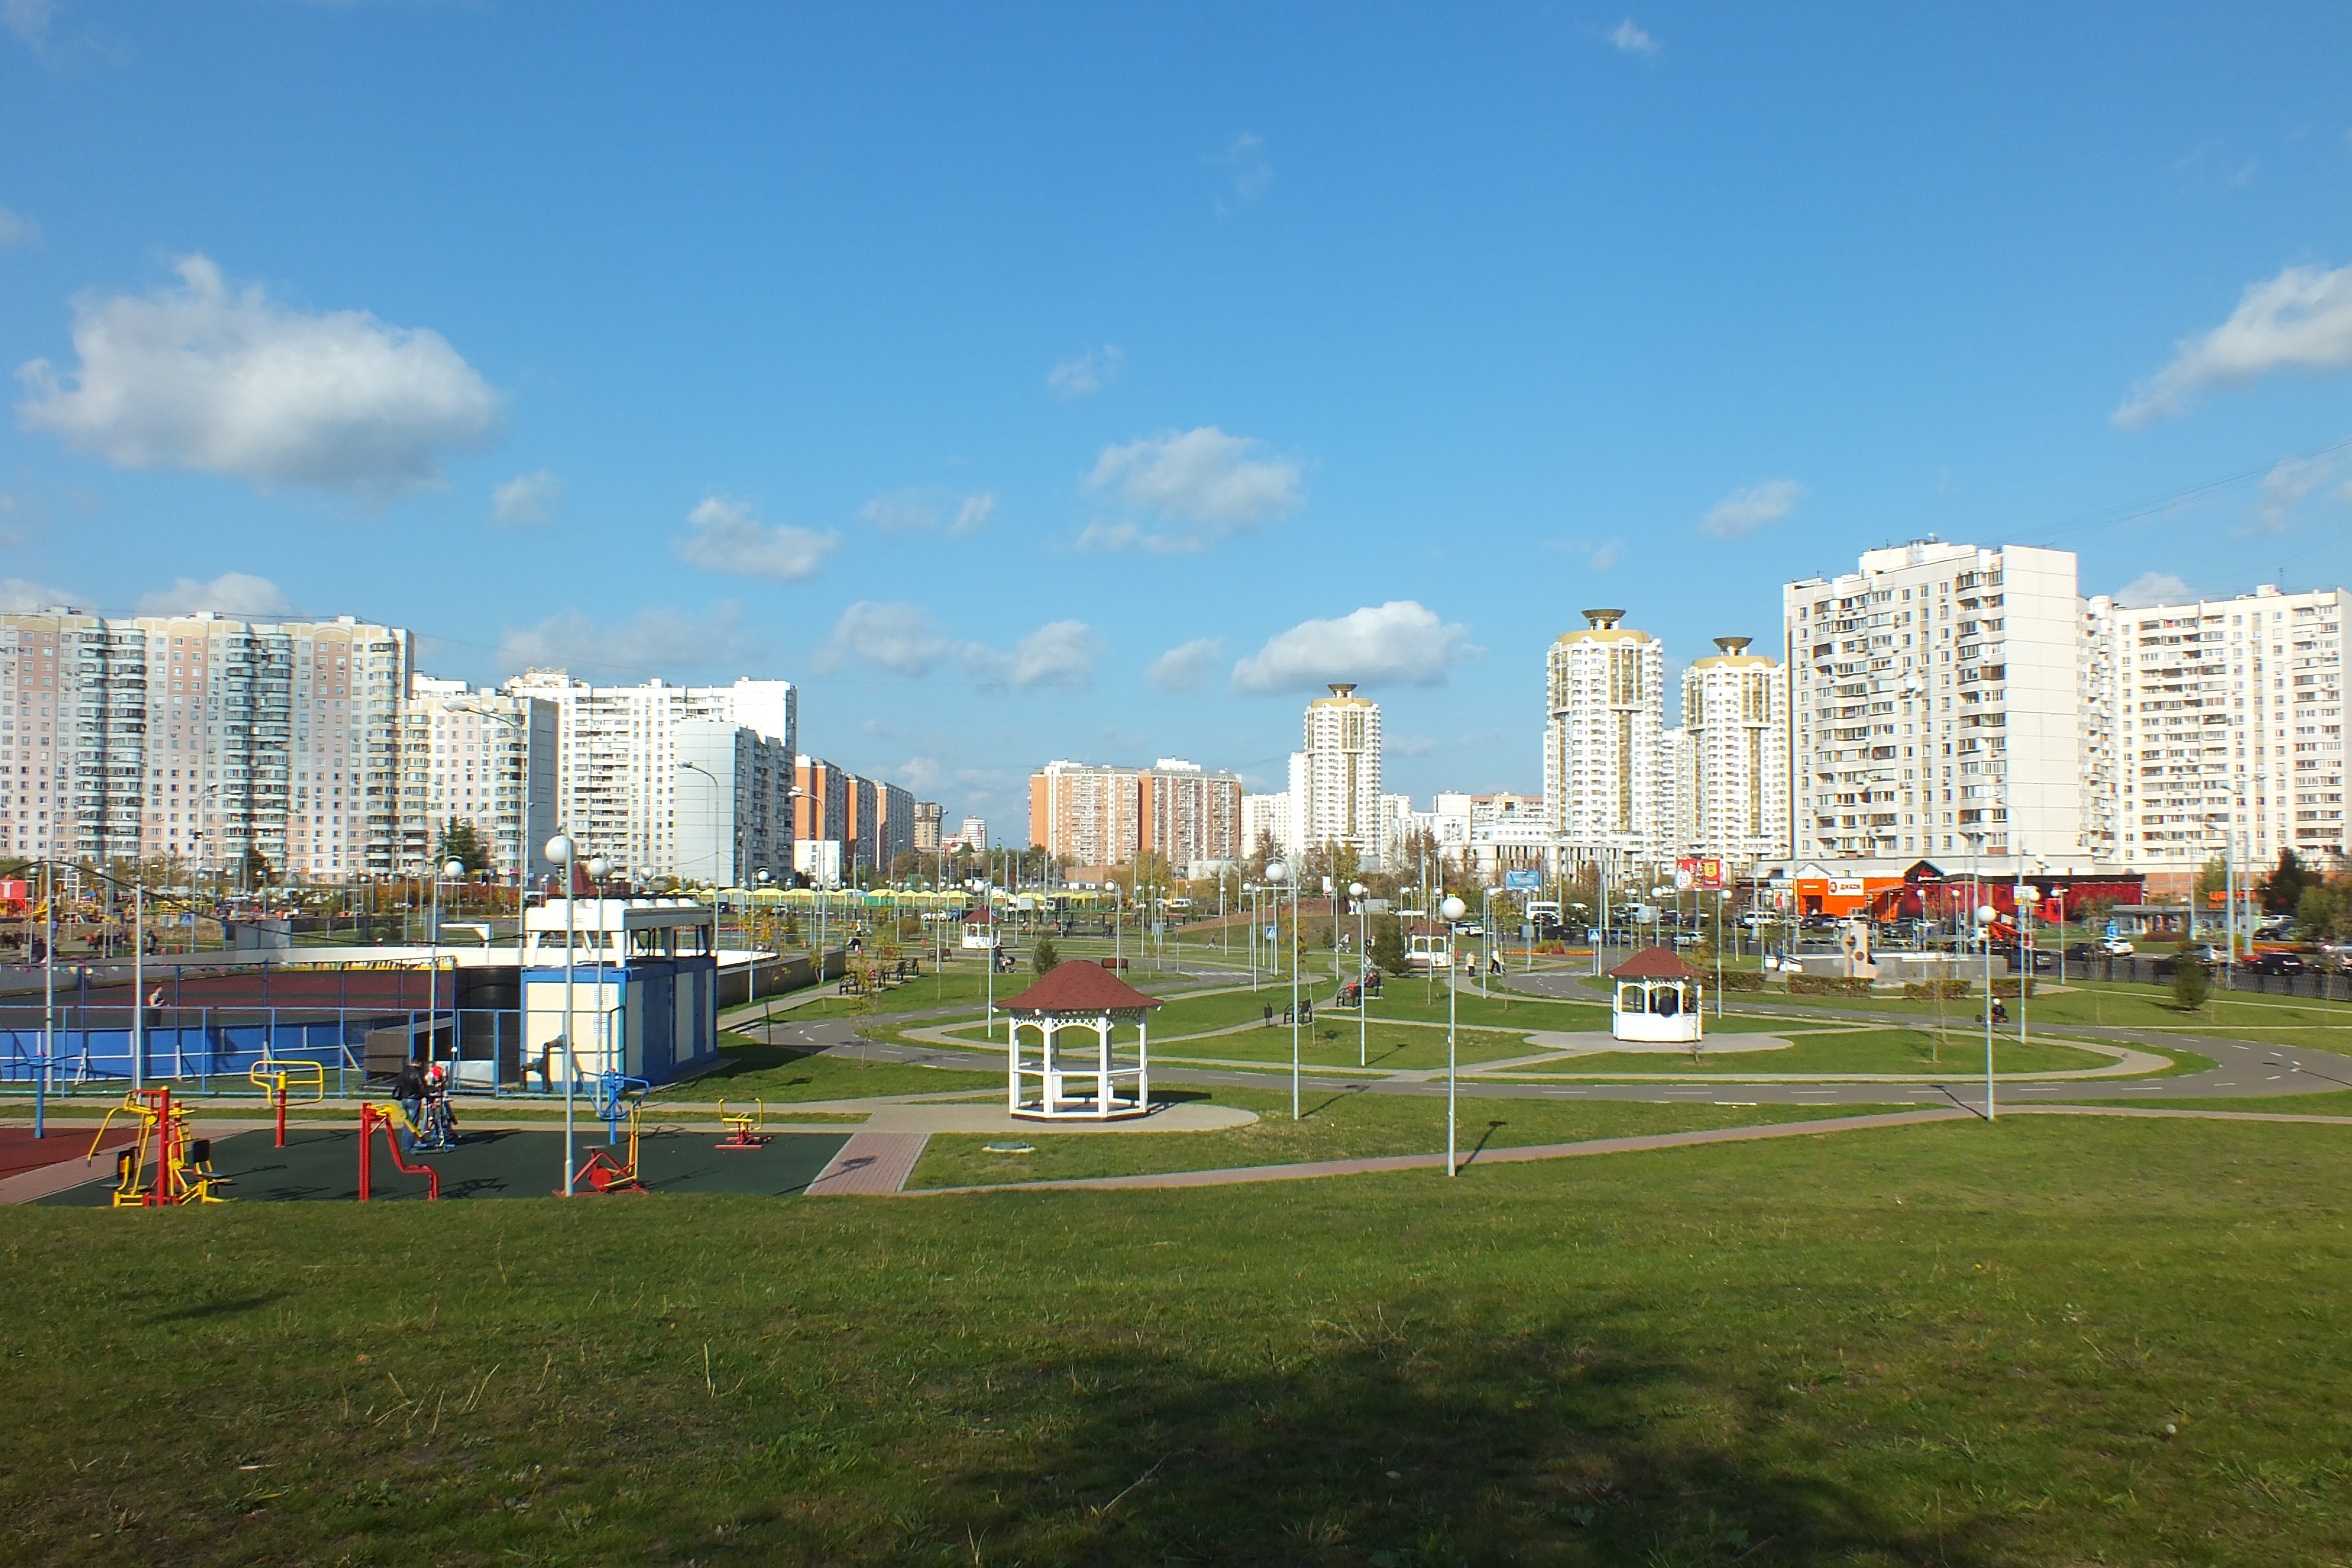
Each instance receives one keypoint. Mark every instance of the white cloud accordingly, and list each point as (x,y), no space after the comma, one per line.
(193,377)
(1185,666)
(919,511)
(1089,373)
(17,229)
(1398,643)
(1061,653)
(901,638)
(972,514)
(1206,483)
(728,538)
(1409,745)
(2154,588)
(1253,171)
(17,595)
(1629,36)
(28,20)
(527,499)
(230,594)
(1744,512)
(2302,318)
(1607,556)
(652,642)
(2286,487)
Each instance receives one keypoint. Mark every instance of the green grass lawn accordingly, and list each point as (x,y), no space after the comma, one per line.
(780,1075)
(2244,1015)
(2332,1103)
(2047,1341)
(1335,1125)
(1852,1050)
(1330,1043)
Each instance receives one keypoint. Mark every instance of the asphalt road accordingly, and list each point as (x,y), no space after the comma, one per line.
(2242,1070)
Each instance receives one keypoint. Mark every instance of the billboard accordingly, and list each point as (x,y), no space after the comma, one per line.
(1523,881)
(1702,874)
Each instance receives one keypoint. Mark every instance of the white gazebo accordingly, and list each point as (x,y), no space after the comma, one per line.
(1656,1000)
(1087,998)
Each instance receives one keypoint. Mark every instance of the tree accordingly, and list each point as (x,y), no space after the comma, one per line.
(1387,945)
(1041,957)
(2188,986)
(256,869)
(461,843)
(2283,892)
(2325,911)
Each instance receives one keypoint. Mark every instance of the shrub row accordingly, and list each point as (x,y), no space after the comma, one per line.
(1930,990)
(1828,985)
(1742,980)
(2007,988)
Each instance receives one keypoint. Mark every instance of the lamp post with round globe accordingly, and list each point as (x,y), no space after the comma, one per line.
(1452,909)
(452,870)
(598,870)
(1986,915)
(1278,873)
(1356,890)
(560,849)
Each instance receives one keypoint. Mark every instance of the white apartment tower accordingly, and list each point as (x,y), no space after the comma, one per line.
(1732,789)
(1936,706)
(1335,783)
(620,785)
(2227,729)
(202,740)
(481,758)
(1604,784)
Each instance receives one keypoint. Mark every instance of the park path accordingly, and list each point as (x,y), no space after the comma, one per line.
(871,1162)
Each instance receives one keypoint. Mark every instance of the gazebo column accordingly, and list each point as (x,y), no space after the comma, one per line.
(1143,1064)
(1012,1067)
(1102,1068)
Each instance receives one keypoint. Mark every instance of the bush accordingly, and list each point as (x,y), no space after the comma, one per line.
(1934,989)
(1828,985)
(1387,945)
(2006,988)
(1041,957)
(1742,980)
(2188,983)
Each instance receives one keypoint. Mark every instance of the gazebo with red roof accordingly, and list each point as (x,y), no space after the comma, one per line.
(1656,1000)
(1084,996)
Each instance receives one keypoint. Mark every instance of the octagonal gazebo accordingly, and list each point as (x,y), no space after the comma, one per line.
(1087,998)
(1657,999)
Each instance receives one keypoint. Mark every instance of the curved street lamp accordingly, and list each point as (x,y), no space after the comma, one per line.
(1986,915)
(1356,890)
(1452,909)
(561,850)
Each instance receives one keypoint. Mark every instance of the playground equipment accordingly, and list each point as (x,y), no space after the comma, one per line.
(618,1098)
(437,1126)
(743,1127)
(391,1118)
(166,1166)
(279,1076)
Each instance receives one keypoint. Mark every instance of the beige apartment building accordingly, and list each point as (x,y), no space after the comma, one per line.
(1101,816)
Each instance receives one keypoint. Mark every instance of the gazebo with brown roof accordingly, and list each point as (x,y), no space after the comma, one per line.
(1656,1000)
(1078,995)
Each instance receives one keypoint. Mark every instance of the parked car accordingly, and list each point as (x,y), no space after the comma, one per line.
(2163,967)
(2273,963)
(2116,947)
(2040,957)
(2083,952)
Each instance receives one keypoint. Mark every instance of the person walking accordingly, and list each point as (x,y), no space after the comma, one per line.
(408,1093)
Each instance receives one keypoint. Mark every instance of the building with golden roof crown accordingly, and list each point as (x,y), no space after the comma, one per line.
(1605,790)
(1732,786)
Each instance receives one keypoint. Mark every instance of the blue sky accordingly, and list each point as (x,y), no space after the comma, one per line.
(1093,381)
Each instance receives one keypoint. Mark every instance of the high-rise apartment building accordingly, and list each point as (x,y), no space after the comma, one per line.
(1109,815)
(733,812)
(1936,705)
(821,830)
(483,759)
(203,739)
(1334,781)
(930,817)
(2227,726)
(1730,777)
(619,783)
(1604,755)
(1265,818)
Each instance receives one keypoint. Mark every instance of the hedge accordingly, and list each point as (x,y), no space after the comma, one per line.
(1828,985)
(1742,980)
(1930,990)
(2008,987)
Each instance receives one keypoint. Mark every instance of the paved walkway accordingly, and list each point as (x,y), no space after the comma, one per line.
(871,1162)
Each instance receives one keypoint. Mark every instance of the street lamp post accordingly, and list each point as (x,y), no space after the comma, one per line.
(1278,873)
(1451,909)
(561,850)
(1986,915)
(1357,890)
(451,870)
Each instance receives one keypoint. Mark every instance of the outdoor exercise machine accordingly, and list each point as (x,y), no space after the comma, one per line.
(391,1119)
(436,1127)
(166,1166)
(279,1076)
(744,1128)
(618,1098)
